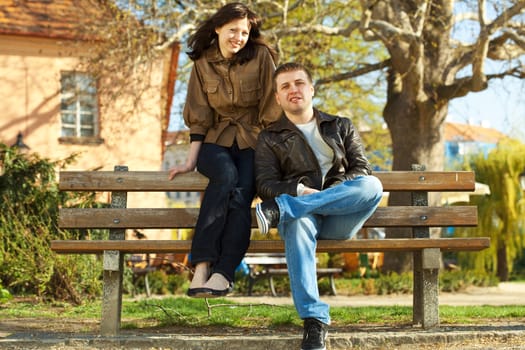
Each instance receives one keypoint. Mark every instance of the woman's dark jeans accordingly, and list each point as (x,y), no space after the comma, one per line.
(222,232)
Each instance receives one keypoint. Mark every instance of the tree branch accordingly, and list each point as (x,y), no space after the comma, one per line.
(320,29)
(176,37)
(516,72)
(281,10)
(505,16)
(355,73)
(463,86)
(390,32)
(482,47)
(499,50)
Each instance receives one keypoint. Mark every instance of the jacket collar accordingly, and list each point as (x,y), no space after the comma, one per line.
(213,54)
(323,117)
(284,123)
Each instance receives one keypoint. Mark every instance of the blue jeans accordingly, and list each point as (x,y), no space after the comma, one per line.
(335,213)
(222,231)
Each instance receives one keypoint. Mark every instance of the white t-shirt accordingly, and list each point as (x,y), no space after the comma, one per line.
(322,151)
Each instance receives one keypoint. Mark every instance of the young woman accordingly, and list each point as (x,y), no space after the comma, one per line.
(229,100)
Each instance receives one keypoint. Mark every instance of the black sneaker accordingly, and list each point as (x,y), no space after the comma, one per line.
(267,214)
(314,335)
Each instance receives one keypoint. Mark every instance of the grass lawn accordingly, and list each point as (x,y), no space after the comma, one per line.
(186,312)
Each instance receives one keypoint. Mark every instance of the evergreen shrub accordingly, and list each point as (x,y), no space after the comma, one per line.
(29,203)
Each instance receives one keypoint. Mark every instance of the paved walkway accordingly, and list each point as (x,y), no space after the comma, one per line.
(497,335)
(504,294)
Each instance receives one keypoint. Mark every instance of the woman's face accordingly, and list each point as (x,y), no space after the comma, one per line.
(233,36)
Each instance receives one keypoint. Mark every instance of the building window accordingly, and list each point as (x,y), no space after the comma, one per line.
(78,106)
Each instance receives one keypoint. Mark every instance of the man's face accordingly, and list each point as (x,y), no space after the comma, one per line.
(294,92)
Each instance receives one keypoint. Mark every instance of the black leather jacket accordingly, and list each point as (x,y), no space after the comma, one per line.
(283,157)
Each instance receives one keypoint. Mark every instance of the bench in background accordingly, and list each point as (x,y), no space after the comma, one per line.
(419,218)
(268,261)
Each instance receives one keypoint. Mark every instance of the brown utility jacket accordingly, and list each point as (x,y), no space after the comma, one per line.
(228,102)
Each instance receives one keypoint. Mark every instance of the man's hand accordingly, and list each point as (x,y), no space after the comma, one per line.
(309,190)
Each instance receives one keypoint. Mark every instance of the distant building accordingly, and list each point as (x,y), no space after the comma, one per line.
(466,139)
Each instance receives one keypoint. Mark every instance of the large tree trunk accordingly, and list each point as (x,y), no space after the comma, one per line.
(416,128)
(416,125)
(415,111)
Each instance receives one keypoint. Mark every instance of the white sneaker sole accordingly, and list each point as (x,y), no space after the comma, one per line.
(262,223)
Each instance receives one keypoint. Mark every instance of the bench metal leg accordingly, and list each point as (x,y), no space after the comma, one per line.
(112,293)
(426,288)
(332,285)
(272,286)
(250,283)
(146,283)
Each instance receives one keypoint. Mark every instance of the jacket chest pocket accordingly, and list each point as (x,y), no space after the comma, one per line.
(250,91)
(211,87)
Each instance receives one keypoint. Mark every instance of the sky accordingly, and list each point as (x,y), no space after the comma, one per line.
(501,106)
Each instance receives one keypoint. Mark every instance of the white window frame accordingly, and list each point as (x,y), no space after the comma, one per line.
(83,89)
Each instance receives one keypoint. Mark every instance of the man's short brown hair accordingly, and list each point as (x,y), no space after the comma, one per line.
(290,67)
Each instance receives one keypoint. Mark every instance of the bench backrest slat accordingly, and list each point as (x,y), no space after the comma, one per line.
(401,216)
(138,181)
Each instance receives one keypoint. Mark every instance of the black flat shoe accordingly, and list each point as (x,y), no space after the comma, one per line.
(221,293)
(199,292)
(208,292)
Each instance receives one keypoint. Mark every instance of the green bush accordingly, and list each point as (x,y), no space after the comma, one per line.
(161,282)
(518,270)
(4,295)
(394,283)
(177,283)
(29,202)
(458,280)
(449,281)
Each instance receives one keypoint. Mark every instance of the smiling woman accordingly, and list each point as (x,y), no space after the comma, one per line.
(233,36)
(229,100)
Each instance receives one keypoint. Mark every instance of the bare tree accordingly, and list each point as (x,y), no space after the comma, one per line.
(430,66)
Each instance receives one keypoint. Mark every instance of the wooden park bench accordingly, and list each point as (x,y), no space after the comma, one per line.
(419,218)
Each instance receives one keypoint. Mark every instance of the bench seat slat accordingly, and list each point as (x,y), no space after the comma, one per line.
(273,246)
(185,217)
(136,181)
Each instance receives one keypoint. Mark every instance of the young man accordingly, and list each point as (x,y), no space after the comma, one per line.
(314,179)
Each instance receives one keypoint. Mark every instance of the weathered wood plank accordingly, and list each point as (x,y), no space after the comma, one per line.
(137,181)
(144,218)
(274,246)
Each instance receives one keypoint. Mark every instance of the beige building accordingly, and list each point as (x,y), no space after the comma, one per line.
(60,108)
